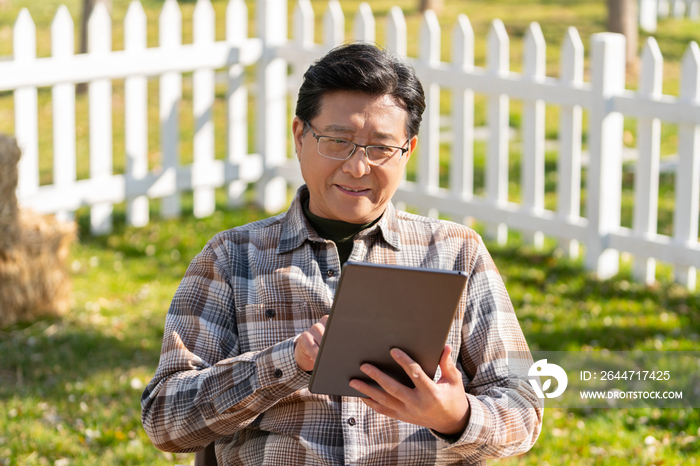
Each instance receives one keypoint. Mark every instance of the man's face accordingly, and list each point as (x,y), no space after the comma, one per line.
(352,190)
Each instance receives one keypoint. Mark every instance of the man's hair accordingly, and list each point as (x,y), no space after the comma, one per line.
(365,68)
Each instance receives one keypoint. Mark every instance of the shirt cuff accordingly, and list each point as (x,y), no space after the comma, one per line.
(474,431)
(277,370)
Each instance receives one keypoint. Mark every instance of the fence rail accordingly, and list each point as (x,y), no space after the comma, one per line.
(279,64)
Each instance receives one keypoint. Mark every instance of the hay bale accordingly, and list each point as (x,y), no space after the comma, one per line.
(34,279)
(9,226)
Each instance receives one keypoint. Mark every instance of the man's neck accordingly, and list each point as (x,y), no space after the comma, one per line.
(341,233)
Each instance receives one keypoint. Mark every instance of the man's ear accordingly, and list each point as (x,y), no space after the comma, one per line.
(411,147)
(297,134)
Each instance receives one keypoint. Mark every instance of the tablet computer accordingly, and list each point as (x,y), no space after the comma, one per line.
(378,307)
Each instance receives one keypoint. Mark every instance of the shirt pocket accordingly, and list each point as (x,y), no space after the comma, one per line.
(263,325)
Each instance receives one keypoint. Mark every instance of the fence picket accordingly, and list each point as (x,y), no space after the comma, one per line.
(604,183)
(26,106)
(570,127)
(304,37)
(100,116)
(532,170)
(364,23)
(136,114)
(685,218)
(170,94)
(333,25)
(647,15)
(396,32)
(664,8)
(428,175)
(678,8)
(646,180)
(63,108)
(498,107)
(237,98)
(203,107)
(462,162)
(694,10)
(304,23)
(271,134)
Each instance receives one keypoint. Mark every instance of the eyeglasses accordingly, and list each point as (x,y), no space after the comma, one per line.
(341,149)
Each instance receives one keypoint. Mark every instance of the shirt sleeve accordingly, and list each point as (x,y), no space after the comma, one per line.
(505,413)
(203,387)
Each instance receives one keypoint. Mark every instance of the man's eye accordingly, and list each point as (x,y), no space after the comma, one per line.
(337,142)
(384,150)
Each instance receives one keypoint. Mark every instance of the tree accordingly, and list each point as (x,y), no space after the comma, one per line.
(622,18)
(88,6)
(435,5)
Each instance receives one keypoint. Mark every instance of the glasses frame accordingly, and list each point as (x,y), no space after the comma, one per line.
(355,146)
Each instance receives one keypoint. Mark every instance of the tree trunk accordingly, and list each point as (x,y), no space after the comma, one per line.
(622,18)
(88,6)
(435,5)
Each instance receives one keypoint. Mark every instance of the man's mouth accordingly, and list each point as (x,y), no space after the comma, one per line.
(352,190)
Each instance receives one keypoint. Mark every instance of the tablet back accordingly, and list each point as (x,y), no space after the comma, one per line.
(380,307)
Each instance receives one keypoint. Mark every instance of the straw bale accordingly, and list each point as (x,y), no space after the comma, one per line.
(34,278)
(9,227)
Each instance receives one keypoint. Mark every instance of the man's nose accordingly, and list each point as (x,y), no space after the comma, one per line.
(358,163)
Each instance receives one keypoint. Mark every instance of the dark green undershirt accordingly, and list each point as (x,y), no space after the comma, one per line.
(341,233)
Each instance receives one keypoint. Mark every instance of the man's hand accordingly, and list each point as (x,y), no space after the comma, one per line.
(441,406)
(306,346)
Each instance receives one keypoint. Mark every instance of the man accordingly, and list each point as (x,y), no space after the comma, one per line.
(243,329)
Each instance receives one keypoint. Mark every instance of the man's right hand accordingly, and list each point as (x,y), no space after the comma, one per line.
(306,346)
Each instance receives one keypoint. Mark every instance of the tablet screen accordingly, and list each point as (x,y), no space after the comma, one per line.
(378,307)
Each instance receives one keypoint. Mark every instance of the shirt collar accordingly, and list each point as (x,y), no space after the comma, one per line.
(296,228)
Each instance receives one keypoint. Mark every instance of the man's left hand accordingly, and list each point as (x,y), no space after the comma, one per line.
(441,406)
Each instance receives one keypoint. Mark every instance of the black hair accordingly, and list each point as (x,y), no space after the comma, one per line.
(366,68)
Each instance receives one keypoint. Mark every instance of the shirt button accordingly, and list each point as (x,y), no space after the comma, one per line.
(352,421)
(270,313)
(330,272)
(278,373)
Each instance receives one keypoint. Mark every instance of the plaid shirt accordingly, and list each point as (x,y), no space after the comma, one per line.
(227,370)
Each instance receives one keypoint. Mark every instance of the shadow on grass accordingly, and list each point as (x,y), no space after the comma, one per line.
(562,306)
(46,357)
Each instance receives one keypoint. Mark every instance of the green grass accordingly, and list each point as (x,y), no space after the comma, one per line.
(71,386)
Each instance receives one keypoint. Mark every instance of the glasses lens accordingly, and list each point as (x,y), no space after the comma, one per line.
(383,155)
(334,148)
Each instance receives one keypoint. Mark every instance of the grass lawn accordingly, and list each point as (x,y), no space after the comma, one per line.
(71,387)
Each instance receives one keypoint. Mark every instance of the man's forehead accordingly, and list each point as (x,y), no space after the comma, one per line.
(344,117)
(334,128)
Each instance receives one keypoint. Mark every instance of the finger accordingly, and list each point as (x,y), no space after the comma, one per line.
(412,368)
(390,385)
(447,366)
(306,351)
(378,397)
(380,408)
(317,330)
(310,347)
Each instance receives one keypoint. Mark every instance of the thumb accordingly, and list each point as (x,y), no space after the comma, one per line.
(447,367)
(323,321)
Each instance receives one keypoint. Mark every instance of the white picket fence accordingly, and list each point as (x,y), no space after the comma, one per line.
(272,170)
(651,10)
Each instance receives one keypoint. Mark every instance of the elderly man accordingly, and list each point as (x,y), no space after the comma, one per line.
(243,329)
